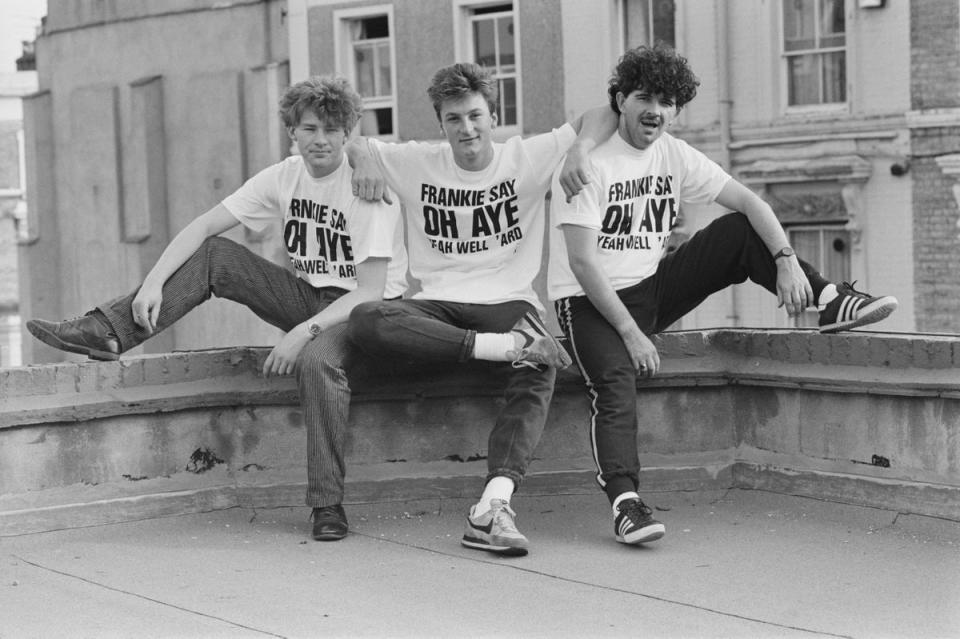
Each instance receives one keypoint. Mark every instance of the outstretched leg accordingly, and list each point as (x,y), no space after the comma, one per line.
(219,267)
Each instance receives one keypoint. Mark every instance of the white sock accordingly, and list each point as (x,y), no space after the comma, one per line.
(499,487)
(621,497)
(493,347)
(827,295)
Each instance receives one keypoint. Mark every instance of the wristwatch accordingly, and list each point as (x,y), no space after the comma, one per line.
(314,329)
(784,252)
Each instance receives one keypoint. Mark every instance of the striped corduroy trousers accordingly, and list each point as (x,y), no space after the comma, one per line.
(228,270)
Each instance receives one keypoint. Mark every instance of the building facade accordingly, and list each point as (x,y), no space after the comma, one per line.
(13,86)
(844,114)
(809,102)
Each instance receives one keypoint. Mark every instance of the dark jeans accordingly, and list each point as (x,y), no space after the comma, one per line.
(445,332)
(225,269)
(728,251)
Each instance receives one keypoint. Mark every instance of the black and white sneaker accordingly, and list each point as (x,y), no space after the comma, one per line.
(635,524)
(852,308)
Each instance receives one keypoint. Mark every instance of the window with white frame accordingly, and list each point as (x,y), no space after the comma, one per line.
(488,33)
(365,55)
(825,246)
(646,22)
(814,48)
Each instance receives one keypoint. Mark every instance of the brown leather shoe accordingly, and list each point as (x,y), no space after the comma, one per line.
(87,335)
(329,523)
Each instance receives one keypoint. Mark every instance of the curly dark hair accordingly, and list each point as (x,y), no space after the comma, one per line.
(330,98)
(657,69)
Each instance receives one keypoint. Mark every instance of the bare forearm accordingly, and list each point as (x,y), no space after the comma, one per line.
(603,296)
(594,126)
(213,222)
(339,311)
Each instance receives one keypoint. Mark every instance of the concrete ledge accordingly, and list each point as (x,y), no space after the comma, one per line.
(865,418)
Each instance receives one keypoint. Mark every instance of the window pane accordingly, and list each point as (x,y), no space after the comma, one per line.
(836,255)
(376,27)
(807,245)
(363,62)
(802,80)
(831,17)
(798,24)
(384,81)
(377,122)
(484,44)
(508,102)
(636,26)
(663,30)
(834,77)
(505,36)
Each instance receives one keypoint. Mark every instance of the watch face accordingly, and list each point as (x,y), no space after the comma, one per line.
(314,328)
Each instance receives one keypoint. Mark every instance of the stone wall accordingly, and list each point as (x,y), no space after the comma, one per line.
(863,418)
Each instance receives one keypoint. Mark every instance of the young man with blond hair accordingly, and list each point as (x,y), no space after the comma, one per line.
(343,251)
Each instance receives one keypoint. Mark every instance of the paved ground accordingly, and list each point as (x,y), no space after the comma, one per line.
(733,564)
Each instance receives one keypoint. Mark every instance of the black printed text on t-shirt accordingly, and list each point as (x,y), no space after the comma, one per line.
(334,252)
(491,214)
(659,215)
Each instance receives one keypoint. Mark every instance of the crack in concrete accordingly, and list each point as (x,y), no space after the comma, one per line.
(643,595)
(146,598)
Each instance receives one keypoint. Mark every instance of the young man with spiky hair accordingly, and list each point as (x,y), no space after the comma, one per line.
(343,251)
(475,219)
(614,285)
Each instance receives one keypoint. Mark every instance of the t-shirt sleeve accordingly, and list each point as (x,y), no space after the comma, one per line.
(703,178)
(545,151)
(372,229)
(395,158)
(256,204)
(582,210)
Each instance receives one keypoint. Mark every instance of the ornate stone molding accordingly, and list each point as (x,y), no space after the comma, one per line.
(843,168)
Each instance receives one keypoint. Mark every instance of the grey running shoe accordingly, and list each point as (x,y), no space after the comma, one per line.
(539,346)
(495,531)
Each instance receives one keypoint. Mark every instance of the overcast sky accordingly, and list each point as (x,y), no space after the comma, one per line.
(19,20)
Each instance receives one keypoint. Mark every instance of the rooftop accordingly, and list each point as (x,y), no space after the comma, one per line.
(810,486)
(734,563)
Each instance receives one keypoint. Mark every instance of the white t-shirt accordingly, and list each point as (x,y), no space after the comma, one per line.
(474,236)
(326,229)
(632,200)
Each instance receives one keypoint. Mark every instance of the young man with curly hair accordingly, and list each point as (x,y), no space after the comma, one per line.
(475,221)
(614,286)
(343,251)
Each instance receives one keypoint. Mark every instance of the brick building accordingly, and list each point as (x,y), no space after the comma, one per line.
(843,113)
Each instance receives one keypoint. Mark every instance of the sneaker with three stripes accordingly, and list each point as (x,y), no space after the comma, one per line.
(634,523)
(852,308)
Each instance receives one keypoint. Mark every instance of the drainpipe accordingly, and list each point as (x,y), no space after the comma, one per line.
(725,104)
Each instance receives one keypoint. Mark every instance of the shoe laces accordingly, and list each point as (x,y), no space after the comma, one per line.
(503,517)
(849,290)
(635,509)
(528,358)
